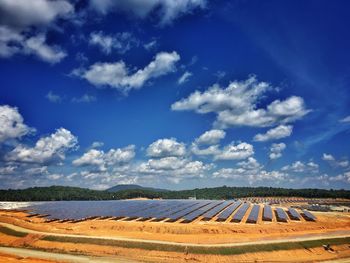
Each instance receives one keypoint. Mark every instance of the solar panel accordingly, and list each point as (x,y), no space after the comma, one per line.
(267,213)
(308,216)
(228,211)
(293,214)
(254,213)
(178,215)
(281,215)
(237,217)
(211,213)
(174,210)
(163,206)
(195,214)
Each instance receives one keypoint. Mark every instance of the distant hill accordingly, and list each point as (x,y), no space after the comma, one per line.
(122,187)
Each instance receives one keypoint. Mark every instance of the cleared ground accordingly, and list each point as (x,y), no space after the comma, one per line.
(245,241)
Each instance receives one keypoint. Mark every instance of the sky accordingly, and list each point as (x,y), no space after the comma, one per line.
(175,94)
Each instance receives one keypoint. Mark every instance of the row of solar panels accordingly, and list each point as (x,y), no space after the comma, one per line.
(186,210)
(189,211)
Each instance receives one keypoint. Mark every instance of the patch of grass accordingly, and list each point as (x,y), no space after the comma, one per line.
(202,250)
(10,232)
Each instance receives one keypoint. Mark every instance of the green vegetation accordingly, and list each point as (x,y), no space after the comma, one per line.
(202,250)
(11,232)
(57,193)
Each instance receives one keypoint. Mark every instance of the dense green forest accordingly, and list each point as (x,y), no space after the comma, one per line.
(74,193)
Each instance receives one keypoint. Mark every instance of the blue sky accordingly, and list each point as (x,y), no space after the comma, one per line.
(174,94)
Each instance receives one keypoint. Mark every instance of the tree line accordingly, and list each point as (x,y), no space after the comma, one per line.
(58,193)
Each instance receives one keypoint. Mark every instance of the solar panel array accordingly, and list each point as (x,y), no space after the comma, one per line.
(308,216)
(238,216)
(267,213)
(228,211)
(195,214)
(254,214)
(293,214)
(281,215)
(211,213)
(185,211)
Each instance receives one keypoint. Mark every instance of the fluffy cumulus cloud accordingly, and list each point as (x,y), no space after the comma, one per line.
(174,168)
(211,137)
(251,171)
(104,160)
(210,150)
(166,147)
(37,45)
(279,132)
(345,177)
(117,75)
(300,167)
(235,152)
(237,105)
(120,42)
(166,10)
(207,143)
(46,149)
(11,124)
(21,20)
(343,163)
(276,150)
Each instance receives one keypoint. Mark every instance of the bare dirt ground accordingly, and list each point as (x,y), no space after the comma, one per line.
(327,224)
(209,233)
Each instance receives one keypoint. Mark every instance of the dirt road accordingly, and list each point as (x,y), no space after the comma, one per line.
(21,252)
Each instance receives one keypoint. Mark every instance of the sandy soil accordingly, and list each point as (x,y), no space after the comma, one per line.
(196,232)
(299,255)
(7,258)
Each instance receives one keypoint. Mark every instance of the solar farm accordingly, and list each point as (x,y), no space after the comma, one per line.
(182,211)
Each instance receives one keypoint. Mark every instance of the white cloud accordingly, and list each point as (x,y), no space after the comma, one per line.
(23,13)
(210,150)
(276,150)
(121,42)
(166,147)
(97,144)
(279,132)
(55,98)
(20,19)
(46,149)
(37,45)
(211,137)
(250,171)
(346,119)
(86,98)
(174,168)
(345,177)
(150,45)
(235,152)
(36,170)
(7,170)
(166,10)
(104,160)
(11,124)
(184,78)
(336,163)
(327,157)
(117,75)
(300,167)
(237,105)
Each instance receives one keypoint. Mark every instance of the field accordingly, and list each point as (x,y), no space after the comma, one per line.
(199,241)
